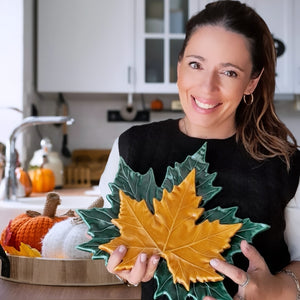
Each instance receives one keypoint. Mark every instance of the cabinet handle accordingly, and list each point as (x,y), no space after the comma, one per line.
(129,79)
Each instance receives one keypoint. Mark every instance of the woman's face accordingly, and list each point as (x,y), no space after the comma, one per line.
(213,75)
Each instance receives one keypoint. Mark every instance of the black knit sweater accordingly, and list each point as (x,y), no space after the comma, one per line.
(261,190)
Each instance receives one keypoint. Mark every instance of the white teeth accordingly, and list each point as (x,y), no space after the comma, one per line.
(204,105)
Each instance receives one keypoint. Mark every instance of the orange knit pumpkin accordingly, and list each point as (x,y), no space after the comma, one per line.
(8,235)
(43,180)
(25,180)
(30,228)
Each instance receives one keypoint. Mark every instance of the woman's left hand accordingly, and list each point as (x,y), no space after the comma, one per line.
(257,282)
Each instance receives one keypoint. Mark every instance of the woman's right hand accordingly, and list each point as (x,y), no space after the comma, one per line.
(142,271)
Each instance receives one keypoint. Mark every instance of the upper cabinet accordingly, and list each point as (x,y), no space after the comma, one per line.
(278,15)
(132,46)
(160,31)
(85,46)
(296,36)
(119,46)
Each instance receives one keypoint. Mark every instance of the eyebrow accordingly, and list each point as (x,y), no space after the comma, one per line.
(196,56)
(201,58)
(232,65)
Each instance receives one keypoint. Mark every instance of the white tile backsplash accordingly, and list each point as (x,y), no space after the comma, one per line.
(91,129)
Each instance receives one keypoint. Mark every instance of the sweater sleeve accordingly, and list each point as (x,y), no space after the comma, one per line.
(292,232)
(109,173)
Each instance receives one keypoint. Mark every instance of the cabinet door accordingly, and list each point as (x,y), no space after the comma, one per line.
(278,15)
(85,45)
(159,36)
(296,53)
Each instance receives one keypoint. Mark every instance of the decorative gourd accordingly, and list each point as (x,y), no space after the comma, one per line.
(157,104)
(30,228)
(24,179)
(63,238)
(43,179)
(8,235)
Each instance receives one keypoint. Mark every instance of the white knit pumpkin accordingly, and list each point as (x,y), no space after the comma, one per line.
(61,241)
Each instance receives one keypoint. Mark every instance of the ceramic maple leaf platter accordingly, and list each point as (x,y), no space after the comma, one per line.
(170,221)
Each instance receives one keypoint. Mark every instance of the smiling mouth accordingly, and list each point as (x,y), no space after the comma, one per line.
(203,105)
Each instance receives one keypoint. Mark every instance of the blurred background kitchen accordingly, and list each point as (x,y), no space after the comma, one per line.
(110,65)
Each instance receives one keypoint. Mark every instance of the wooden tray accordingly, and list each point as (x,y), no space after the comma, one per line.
(65,272)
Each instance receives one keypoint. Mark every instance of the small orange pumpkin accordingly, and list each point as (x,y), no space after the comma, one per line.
(43,180)
(157,104)
(30,228)
(25,180)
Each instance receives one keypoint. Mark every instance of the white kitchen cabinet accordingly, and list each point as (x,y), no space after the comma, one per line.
(85,46)
(160,31)
(278,15)
(296,57)
(131,46)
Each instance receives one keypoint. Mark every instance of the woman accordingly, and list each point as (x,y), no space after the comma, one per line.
(226,82)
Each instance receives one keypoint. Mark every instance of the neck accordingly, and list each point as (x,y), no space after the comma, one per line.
(195,131)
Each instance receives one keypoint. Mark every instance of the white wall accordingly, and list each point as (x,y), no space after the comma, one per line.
(91,129)
(290,116)
(11,65)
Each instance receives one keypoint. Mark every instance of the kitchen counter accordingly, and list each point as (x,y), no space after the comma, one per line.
(72,198)
(68,192)
(10,290)
(19,291)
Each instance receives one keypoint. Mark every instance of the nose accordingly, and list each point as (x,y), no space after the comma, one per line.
(210,81)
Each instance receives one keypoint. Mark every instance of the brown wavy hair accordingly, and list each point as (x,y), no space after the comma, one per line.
(258,126)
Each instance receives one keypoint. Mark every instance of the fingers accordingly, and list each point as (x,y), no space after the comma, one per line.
(135,275)
(236,274)
(115,258)
(256,261)
(151,268)
(143,269)
(257,282)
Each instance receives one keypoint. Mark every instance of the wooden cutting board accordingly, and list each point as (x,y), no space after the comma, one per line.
(64,272)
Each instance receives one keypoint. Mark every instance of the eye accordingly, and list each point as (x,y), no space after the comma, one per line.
(230,73)
(194,65)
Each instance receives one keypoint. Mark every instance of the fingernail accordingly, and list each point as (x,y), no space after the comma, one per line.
(155,260)
(246,244)
(143,257)
(121,249)
(214,262)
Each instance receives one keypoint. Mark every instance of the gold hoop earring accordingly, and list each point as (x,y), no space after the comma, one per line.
(251,100)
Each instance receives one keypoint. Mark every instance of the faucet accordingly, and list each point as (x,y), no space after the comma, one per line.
(8,187)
